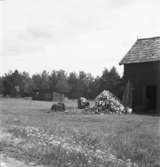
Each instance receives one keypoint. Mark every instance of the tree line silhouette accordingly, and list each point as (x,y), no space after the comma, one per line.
(72,85)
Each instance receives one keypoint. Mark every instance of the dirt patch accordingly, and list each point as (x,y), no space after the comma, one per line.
(11,162)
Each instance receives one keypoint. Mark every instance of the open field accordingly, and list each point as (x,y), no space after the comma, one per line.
(134,137)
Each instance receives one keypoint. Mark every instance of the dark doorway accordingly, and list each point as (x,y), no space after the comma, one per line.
(151,95)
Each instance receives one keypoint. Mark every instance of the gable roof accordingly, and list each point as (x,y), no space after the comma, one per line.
(143,50)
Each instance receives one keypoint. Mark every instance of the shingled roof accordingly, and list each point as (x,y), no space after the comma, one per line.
(144,50)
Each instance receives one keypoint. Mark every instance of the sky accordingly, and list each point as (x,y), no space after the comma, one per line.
(72,35)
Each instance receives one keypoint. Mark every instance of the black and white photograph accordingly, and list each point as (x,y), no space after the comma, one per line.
(79,83)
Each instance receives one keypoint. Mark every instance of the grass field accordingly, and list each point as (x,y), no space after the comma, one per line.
(134,137)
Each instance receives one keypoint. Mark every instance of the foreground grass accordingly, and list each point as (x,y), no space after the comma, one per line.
(125,137)
(76,149)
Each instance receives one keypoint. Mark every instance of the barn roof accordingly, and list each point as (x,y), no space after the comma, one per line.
(143,50)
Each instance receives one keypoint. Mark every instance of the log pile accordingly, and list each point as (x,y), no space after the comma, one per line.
(106,102)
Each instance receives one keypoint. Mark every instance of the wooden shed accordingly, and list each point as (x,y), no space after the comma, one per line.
(47,95)
(42,94)
(142,70)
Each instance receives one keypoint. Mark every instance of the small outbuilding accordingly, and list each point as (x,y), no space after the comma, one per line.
(142,70)
(47,95)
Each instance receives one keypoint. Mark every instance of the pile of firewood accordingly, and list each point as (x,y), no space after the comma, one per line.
(106,102)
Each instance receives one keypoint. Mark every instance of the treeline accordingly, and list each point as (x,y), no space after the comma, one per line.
(73,85)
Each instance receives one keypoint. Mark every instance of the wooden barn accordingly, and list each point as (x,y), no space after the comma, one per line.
(142,70)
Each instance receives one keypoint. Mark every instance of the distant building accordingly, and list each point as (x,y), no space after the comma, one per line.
(142,69)
(46,95)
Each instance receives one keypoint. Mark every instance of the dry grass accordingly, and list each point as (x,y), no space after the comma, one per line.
(134,137)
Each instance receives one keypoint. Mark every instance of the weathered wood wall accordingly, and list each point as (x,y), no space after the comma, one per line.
(142,75)
(158,98)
